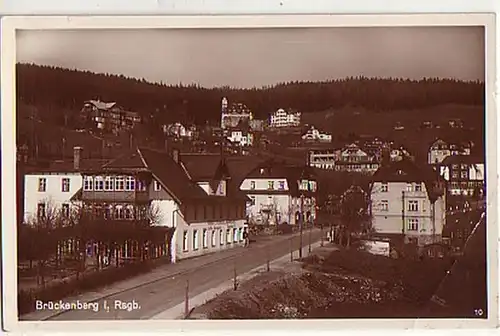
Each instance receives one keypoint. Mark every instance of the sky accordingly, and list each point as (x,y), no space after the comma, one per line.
(259,57)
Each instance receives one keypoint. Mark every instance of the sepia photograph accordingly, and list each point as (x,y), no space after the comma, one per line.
(344,171)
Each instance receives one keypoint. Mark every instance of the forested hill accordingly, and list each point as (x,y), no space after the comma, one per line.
(64,89)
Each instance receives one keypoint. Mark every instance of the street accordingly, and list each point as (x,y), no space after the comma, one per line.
(148,299)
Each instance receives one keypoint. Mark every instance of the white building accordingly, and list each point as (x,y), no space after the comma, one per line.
(408,201)
(323,158)
(191,195)
(48,191)
(353,159)
(178,130)
(440,149)
(275,193)
(313,134)
(282,118)
(465,174)
(241,137)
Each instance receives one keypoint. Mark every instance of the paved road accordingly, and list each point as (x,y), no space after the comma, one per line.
(168,292)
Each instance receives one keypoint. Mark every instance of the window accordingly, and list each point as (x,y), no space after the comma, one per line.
(385,187)
(42,184)
(128,213)
(413,224)
(418,187)
(65,210)
(108,183)
(157,186)
(252,185)
(463,166)
(221,237)
(119,183)
(195,240)
(185,241)
(108,211)
(65,185)
(409,187)
(214,238)
(119,213)
(412,205)
(205,238)
(304,185)
(463,174)
(87,183)
(98,184)
(270,185)
(228,236)
(454,175)
(41,210)
(235,235)
(241,234)
(130,183)
(282,185)
(252,200)
(384,205)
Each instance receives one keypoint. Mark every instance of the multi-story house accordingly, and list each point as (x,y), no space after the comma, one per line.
(440,149)
(408,201)
(233,115)
(241,136)
(465,174)
(48,191)
(313,134)
(323,157)
(282,118)
(178,130)
(204,219)
(108,117)
(279,194)
(353,159)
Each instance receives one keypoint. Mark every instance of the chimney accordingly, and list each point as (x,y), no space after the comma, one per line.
(176,155)
(77,153)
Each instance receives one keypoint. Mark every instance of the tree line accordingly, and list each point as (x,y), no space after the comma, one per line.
(61,90)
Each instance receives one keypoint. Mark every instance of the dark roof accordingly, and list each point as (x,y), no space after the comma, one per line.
(458,159)
(201,167)
(63,166)
(408,171)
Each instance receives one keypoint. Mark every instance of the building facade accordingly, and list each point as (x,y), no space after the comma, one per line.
(408,201)
(277,194)
(108,117)
(313,134)
(465,175)
(282,118)
(353,159)
(441,149)
(232,115)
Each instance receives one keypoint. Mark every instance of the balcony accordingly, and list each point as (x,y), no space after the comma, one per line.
(137,196)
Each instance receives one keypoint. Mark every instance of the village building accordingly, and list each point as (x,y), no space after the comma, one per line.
(204,218)
(108,117)
(353,159)
(465,175)
(48,190)
(408,201)
(441,149)
(285,118)
(279,194)
(234,114)
(315,135)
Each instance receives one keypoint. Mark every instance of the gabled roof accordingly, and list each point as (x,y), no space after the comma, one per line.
(408,171)
(65,166)
(201,167)
(101,105)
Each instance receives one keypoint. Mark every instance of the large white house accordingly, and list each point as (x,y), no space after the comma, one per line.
(240,136)
(48,191)
(279,194)
(353,159)
(282,118)
(408,201)
(204,217)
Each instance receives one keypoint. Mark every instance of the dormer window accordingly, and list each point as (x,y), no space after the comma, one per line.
(270,185)
(262,170)
(252,185)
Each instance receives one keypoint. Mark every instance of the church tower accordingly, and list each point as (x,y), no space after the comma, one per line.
(223,111)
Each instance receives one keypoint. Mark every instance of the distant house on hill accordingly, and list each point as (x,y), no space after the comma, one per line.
(314,134)
(285,118)
(442,148)
(108,117)
(232,115)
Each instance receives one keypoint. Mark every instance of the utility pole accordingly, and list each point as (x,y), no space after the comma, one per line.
(301,223)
